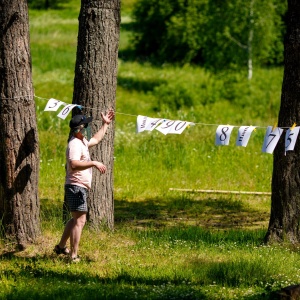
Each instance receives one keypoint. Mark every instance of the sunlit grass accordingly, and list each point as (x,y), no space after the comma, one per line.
(166,244)
(176,263)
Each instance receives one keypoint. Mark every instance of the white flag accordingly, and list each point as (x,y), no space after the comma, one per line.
(64,112)
(141,123)
(171,126)
(152,123)
(223,135)
(244,135)
(179,126)
(271,139)
(291,138)
(145,123)
(53,105)
(165,126)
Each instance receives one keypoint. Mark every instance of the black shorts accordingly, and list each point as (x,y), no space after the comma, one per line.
(76,197)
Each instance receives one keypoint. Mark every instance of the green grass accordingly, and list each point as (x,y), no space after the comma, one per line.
(179,262)
(166,244)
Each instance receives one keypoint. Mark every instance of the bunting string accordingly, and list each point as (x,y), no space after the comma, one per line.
(167,126)
(16,97)
(222,136)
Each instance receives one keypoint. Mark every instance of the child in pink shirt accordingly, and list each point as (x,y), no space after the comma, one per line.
(79,178)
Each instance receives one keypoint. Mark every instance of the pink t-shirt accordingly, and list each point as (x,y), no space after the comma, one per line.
(78,150)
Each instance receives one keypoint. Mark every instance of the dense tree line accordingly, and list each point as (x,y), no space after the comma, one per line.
(213,33)
(45,4)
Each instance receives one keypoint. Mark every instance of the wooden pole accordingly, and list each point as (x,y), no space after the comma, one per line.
(219,192)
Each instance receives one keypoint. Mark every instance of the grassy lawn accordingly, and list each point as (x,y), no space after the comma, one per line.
(166,244)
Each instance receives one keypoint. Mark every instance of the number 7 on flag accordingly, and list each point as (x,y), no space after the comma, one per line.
(271,139)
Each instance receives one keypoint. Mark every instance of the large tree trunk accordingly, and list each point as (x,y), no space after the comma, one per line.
(19,151)
(285,207)
(95,88)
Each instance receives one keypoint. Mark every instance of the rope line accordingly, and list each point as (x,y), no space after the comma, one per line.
(194,123)
(16,97)
(125,114)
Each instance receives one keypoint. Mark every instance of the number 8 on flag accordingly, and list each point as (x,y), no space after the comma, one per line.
(223,135)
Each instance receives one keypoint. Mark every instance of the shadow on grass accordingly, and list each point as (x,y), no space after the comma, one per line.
(138,85)
(71,283)
(173,219)
(221,221)
(244,273)
(220,213)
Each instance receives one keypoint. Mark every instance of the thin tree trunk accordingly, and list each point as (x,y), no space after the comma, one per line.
(19,151)
(95,88)
(285,206)
(250,41)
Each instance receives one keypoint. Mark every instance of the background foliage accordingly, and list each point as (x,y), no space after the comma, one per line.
(210,33)
(46,4)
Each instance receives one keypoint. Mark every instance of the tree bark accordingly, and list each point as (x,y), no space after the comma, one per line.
(19,151)
(285,201)
(95,86)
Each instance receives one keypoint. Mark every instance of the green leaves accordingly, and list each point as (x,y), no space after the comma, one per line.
(45,4)
(217,34)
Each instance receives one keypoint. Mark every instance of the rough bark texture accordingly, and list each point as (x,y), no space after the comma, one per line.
(285,207)
(19,151)
(291,292)
(95,88)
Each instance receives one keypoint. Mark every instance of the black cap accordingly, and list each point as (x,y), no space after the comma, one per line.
(79,120)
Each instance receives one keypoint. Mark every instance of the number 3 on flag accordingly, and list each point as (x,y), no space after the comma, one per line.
(53,105)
